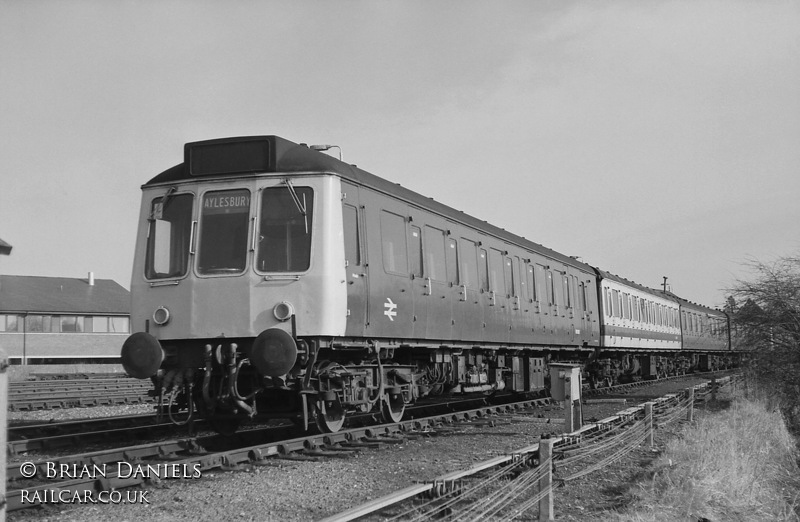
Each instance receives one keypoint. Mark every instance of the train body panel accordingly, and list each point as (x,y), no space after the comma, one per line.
(425,277)
(636,317)
(704,329)
(211,296)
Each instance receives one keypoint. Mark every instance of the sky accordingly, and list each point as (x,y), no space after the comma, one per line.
(648,138)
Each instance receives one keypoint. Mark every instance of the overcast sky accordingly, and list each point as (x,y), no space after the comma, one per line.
(649,138)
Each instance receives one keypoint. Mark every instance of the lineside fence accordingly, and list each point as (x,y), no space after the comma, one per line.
(523,483)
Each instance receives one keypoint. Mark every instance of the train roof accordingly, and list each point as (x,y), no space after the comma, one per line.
(275,154)
(688,304)
(608,275)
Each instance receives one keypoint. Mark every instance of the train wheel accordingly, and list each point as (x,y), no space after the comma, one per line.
(393,406)
(329,413)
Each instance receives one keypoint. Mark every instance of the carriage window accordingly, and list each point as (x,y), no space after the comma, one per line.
(415,250)
(393,241)
(469,263)
(224,223)
(352,250)
(496,264)
(509,277)
(540,282)
(452,261)
(435,266)
(483,269)
(530,282)
(284,231)
(168,236)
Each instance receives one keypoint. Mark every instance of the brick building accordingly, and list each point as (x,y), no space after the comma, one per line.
(53,320)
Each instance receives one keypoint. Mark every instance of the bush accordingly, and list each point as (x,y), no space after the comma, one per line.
(739,464)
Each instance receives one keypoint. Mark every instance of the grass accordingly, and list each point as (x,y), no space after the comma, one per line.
(736,464)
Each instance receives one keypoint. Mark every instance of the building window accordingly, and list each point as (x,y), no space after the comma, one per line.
(71,323)
(10,323)
(119,324)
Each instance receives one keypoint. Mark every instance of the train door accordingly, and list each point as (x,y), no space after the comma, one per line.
(520,332)
(439,321)
(355,262)
(471,312)
(419,285)
(496,300)
(454,282)
(391,306)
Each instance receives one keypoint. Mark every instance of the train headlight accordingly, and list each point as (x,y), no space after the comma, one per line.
(161,316)
(274,352)
(142,355)
(283,311)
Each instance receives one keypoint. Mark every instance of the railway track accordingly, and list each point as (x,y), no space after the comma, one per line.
(49,394)
(215,452)
(256,446)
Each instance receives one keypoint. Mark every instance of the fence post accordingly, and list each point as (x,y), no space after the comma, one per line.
(3,430)
(713,388)
(569,415)
(546,482)
(690,411)
(648,417)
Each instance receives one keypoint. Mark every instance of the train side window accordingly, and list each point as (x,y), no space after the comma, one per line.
(352,244)
(434,252)
(573,286)
(496,268)
(519,283)
(509,277)
(286,218)
(582,296)
(415,250)
(540,282)
(452,261)
(469,263)
(551,288)
(483,270)
(615,303)
(393,242)
(565,290)
(529,279)
(168,236)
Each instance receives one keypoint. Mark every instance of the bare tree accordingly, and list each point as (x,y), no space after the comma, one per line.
(765,311)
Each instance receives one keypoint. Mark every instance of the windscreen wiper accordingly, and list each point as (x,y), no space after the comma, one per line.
(301,205)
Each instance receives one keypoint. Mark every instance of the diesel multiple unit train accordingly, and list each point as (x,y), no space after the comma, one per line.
(270,278)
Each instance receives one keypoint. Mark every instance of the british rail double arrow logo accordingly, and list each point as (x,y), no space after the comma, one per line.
(391,308)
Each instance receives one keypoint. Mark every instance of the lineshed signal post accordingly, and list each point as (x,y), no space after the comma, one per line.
(565,386)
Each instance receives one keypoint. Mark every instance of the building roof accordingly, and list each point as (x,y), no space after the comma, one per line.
(19,294)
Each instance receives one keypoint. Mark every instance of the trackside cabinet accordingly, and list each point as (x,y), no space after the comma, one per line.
(565,382)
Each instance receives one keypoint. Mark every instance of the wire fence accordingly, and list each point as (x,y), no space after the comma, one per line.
(526,482)
(507,498)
